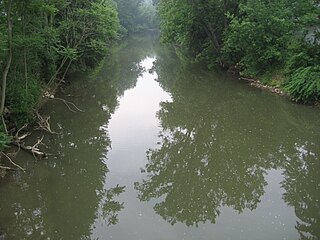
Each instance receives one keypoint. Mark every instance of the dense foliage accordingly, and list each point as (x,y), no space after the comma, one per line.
(43,41)
(257,38)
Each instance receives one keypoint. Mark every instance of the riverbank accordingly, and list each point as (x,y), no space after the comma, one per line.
(42,43)
(258,84)
(278,89)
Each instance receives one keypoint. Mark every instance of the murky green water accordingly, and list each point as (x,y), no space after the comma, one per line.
(168,151)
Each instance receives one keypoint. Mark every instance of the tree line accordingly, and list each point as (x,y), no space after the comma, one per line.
(42,42)
(276,41)
(205,163)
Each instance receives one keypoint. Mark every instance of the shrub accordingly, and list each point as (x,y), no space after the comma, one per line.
(302,55)
(4,140)
(304,84)
(22,97)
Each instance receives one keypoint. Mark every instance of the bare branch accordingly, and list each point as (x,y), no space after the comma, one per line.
(12,162)
(44,123)
(19,138)
(34,150)
(6,168)
(68,104)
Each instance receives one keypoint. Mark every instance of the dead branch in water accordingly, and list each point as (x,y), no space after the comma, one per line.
(71,106)
(20,135)
(12,162)
(44,123)
(19,138)
(6,168)
(34,150)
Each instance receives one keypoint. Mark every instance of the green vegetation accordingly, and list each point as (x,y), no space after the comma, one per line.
(4,140)
(42,42)
(136,15)
(257,38)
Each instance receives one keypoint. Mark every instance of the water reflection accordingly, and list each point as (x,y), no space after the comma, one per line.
(63,197)
(60,198)
(218,142)
(110,208)
(219,146)
(302,186)
(124,67)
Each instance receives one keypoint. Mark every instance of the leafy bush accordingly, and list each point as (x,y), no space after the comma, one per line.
(22,97)
(256,40)
(303,70)
(4,140)
(304,84)
(302,54)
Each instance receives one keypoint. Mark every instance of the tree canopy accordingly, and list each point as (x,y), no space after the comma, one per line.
(43,41)
(259,38)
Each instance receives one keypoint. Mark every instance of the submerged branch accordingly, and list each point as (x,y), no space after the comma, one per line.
(12,162)
(44,123)
(6,168)
(71,106)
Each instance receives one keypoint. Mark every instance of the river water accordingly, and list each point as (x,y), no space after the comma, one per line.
(167,150)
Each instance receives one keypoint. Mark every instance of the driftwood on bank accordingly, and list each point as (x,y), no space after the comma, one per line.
(43,124)
(18,141)
(34,149)
(258,84)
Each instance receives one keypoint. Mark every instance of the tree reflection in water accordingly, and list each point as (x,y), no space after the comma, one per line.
(110,208)
(302,186)
(63,197)
(197,174)
(215,148)
(197,167)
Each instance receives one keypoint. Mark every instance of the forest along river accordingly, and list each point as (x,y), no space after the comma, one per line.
(164,150)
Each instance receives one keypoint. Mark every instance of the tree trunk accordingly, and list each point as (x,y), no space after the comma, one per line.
(6,70)
(25,54)
(213,38)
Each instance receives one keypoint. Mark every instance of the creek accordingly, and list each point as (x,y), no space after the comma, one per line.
(167,150)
